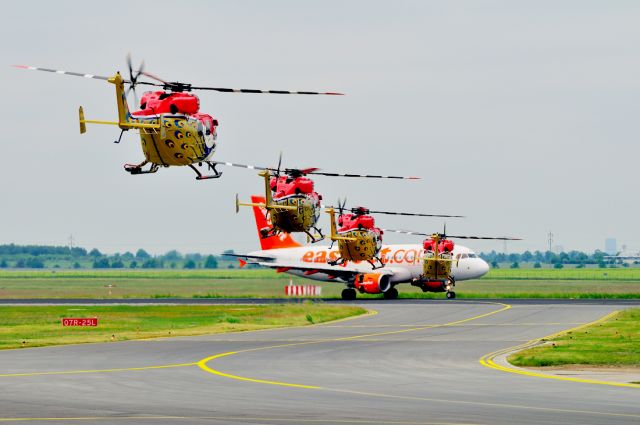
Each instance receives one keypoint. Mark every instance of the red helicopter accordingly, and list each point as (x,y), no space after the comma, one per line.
(173,131)
(291,202)
(357,235)
(439,256)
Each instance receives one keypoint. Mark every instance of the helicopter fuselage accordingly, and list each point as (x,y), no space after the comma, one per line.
(301,219)
(360,244)
(360,239)
(185,137)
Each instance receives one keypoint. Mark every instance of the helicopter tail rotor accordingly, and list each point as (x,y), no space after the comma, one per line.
(83,125)
(133,78)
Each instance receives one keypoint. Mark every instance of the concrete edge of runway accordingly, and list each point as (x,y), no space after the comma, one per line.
(218,301)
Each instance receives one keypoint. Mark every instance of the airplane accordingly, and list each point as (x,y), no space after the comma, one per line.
(403,263)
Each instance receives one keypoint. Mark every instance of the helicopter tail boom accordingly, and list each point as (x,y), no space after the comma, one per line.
(123,125)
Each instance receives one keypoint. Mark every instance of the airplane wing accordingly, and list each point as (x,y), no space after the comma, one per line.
(344,272)
(248,257)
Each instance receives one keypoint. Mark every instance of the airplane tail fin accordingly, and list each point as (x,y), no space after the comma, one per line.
(282,240)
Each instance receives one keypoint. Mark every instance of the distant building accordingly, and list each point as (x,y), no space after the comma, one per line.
(610,246)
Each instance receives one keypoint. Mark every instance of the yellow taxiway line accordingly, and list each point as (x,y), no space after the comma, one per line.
(204,363)
(488,359)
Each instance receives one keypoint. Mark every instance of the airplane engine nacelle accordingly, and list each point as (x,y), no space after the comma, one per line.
(372,283)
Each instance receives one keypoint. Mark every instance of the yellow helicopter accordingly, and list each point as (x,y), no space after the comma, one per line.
(438,259)
(291,202)
(173,131)
(357,235)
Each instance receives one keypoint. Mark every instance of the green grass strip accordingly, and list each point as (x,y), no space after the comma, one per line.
(614,342)
(35,326)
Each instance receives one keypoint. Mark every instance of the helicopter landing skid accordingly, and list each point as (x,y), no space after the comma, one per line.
(137,168)
(313,239)
(200,176)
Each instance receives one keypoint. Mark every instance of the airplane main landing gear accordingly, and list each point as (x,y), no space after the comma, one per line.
(348,294)
(391,294)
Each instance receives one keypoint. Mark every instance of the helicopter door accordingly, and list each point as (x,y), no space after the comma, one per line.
(208,136)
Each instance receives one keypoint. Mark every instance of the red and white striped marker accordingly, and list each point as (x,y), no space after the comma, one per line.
(292,290)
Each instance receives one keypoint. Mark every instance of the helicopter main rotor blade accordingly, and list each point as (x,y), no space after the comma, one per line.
(250,167)
(155,77)
(367,176)
(415,214)
(406,232)
(57,71)
(255,91)
(501,238)
(313,171)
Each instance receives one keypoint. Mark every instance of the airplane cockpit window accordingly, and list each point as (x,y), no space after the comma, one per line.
(472,255)
(458,256)
(464,256)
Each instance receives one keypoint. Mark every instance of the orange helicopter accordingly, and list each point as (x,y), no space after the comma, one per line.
(291,202)
(173,131)
(357,235)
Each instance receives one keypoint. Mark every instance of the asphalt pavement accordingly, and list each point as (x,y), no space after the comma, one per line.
(414,362)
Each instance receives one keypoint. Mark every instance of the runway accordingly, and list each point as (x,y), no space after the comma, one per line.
(414,362)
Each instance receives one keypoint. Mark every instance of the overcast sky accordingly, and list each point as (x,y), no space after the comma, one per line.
(523,116)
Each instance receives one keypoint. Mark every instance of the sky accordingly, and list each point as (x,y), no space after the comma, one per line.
(519,115)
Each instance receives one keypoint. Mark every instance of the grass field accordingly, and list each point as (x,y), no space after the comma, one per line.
(617,274)
(35,326)
(614,342)
(628,274)
(267,283)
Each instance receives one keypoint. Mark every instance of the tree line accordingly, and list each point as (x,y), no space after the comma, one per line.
(556,259)
(43,256)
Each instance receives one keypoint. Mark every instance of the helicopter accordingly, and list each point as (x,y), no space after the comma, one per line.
(173,131)
(291,202)
(357,236)
(438,258)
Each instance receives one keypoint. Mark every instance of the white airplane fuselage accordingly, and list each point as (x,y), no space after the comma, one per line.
(405,261)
